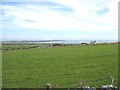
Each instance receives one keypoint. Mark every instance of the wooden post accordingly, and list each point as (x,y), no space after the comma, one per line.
(48,87)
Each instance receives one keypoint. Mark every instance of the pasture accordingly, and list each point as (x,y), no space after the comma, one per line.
(62,67)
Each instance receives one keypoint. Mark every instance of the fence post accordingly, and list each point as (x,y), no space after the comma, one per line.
(48,87)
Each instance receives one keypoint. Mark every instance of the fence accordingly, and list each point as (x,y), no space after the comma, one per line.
(102,87)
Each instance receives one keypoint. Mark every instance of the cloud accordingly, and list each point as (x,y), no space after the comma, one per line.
(62,15)
(54,16)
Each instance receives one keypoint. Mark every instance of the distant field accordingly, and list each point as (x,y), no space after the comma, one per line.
(64,66)
(20,46)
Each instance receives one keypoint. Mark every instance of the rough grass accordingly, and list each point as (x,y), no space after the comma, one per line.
(60,66)
(20,46)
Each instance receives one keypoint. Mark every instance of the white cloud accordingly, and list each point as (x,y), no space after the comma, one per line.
(83,18)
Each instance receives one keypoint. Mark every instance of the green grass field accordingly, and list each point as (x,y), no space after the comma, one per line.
(62,67)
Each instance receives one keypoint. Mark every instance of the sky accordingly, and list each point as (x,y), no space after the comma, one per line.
(59,19)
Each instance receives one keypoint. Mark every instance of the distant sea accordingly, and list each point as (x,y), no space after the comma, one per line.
(79,41)
(60,41)
(88,41)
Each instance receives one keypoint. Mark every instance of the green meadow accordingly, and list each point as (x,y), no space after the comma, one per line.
(62,67)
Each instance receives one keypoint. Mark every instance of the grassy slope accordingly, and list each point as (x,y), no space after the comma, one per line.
(17,46)
(60,66)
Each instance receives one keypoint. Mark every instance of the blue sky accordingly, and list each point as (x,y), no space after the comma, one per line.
(59,19)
